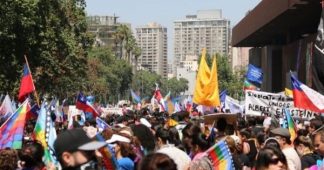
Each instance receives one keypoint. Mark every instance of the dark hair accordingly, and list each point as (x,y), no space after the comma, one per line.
(271,142)
(190,130)
(32,154)
(265,157)
(8,159)
(163,134)
(316,123)
(201,141)
(145,136)
(246,133)
(221,124)
(157,161)
(126,150)
(174,136)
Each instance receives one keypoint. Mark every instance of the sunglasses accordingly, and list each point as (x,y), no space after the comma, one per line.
(274,161)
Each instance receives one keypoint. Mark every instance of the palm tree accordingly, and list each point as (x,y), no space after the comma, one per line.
(137,51)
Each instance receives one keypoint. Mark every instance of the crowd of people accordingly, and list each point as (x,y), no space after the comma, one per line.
(145,140)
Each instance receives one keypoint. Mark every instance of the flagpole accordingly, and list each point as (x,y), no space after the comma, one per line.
(35,92)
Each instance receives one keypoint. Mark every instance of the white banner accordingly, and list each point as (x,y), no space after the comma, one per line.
(257,103)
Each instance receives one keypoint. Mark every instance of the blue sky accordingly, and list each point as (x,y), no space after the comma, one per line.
(164,12)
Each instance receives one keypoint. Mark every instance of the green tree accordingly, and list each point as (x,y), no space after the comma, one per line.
(109,77)
(53,35)
(175,86)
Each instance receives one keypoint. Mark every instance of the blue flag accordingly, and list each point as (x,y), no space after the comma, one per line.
(254,74)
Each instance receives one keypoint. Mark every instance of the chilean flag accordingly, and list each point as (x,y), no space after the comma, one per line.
(159,98)
(26,86)
(305,97)
(85,106)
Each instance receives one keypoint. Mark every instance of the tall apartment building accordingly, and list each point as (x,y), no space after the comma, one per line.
(208,29)
(103,27)
(152,39)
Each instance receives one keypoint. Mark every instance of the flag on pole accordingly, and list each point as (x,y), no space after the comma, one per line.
(6,107)
(290,124)
(220,156)
(26,85)
(45,133)
(136,98)
(11,131)
(206,90)
(101,124)
(305,97)
(158,96)
(109,159)
(85,106)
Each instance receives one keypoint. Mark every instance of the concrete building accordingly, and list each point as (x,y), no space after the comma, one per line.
(104,28)
(190,63)
(208,29)
(282,34)
(190,76)
(152,39)
(239,58)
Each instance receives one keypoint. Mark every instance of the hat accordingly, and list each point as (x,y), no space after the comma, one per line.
(281,132)
(117,138)
(73,140)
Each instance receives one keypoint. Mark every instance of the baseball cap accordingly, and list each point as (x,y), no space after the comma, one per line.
(117,138)
(281,132)
(73,140)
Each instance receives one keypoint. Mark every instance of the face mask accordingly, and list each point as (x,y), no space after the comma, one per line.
(91,165)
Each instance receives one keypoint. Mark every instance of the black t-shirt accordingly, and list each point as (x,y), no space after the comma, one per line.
(309,160)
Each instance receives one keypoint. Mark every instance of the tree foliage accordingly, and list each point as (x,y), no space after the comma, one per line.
(109,77)
(52,33)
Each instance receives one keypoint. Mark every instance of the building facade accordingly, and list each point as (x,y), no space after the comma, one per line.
(282,34)
(103,28)
(239,58)
(208,29)
(152,39)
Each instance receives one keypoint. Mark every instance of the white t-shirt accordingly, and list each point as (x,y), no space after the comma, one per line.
(293,159)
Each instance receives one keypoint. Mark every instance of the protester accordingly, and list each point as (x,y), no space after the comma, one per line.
(8,159)
(31,156)
(283,137)
(145,137)
(199,144)
(304,147)
(75,150)
(270,158)
(124,152)
(319,142)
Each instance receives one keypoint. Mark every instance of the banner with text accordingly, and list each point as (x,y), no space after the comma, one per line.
(257,103)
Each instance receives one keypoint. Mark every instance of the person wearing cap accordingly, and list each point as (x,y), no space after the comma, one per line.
(75,150)
(283,137)
(123,150)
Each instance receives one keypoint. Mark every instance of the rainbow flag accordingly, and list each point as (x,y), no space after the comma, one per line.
(12,130)
(220,156)
(290,125)
(45,133)
(109,159)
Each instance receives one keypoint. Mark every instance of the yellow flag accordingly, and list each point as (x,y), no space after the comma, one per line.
(206,91)
(288,92)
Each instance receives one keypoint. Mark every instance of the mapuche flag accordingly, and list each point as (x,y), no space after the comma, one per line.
(26,85)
